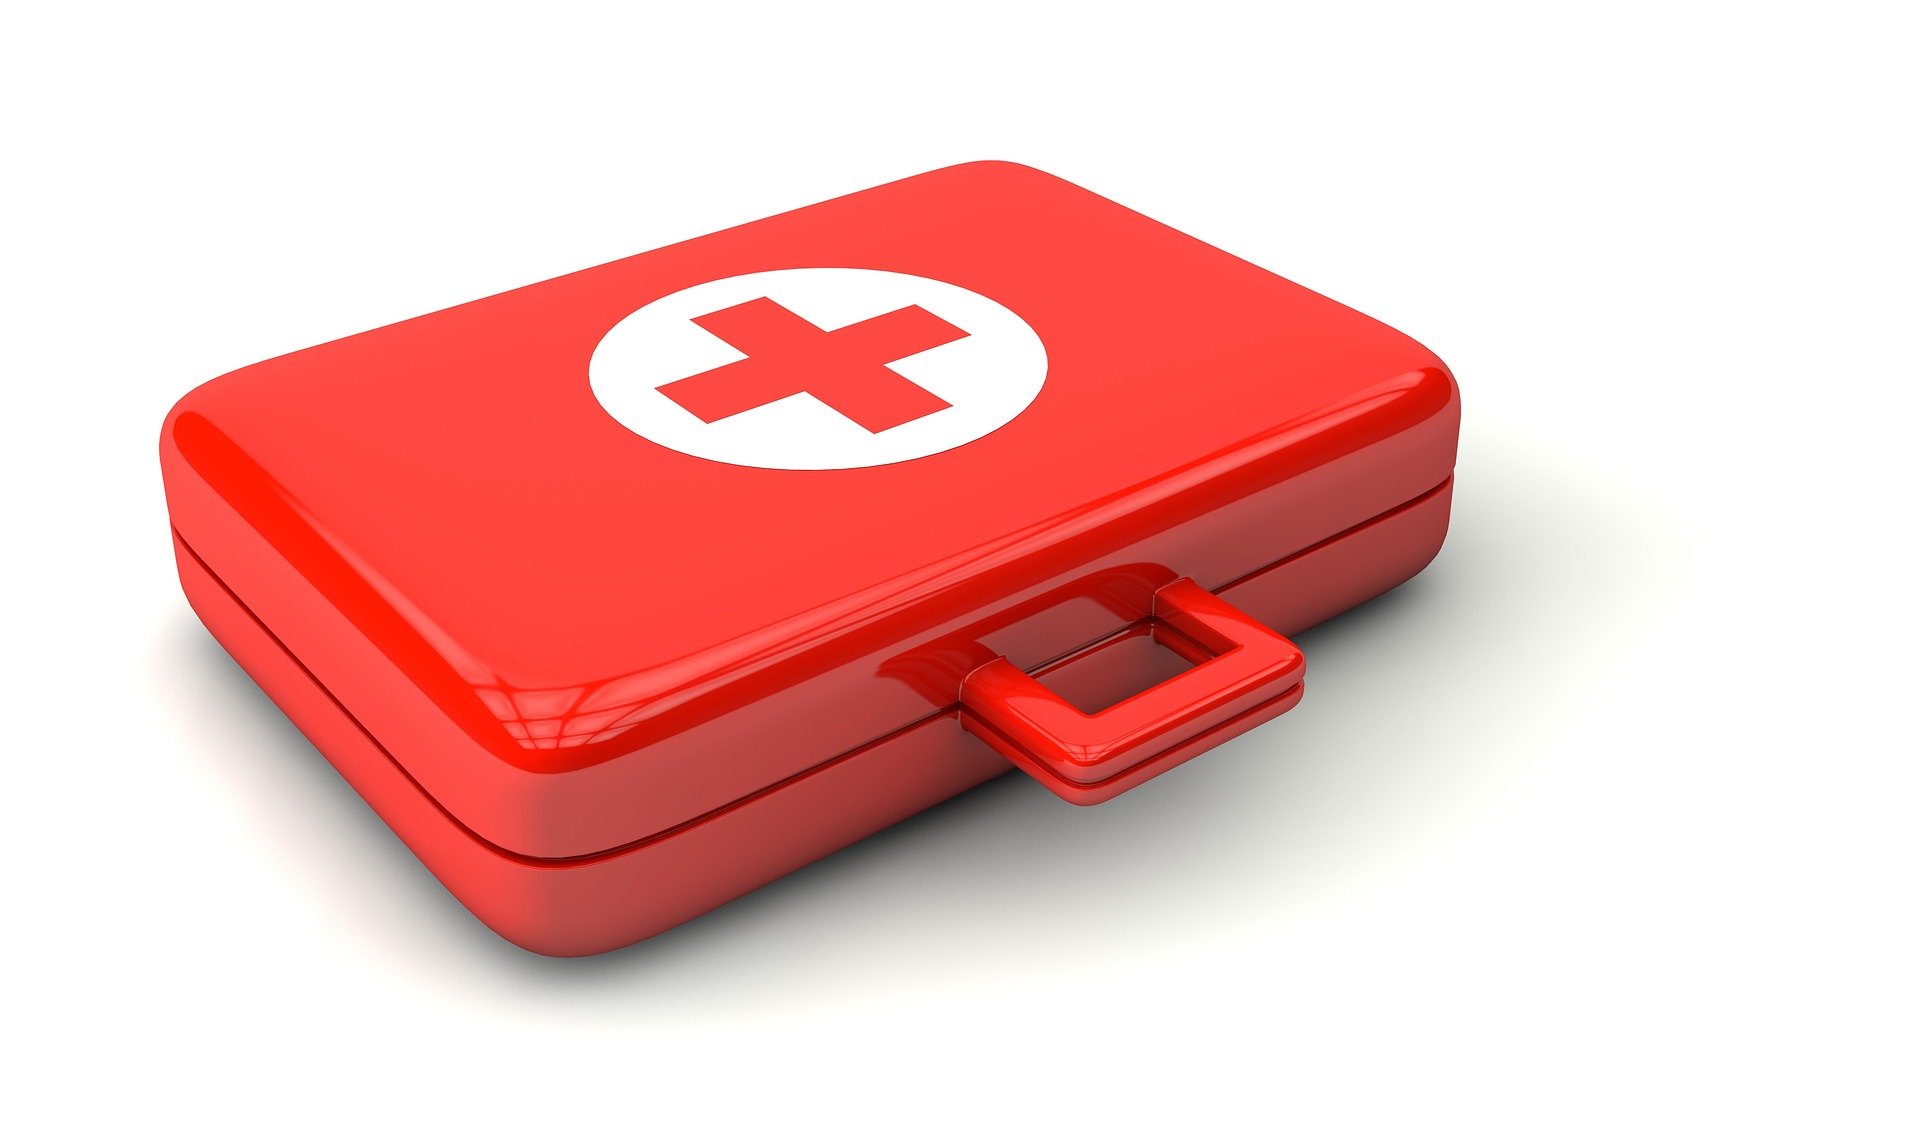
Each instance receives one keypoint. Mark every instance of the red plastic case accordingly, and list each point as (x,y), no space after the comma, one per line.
(600,685)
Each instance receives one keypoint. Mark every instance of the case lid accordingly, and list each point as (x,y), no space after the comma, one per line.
(597,556)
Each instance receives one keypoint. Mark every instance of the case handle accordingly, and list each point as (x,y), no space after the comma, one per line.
(1253,675)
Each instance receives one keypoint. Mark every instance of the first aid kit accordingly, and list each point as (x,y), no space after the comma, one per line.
(625,593)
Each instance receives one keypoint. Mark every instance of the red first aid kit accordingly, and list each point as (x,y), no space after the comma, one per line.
(622,594)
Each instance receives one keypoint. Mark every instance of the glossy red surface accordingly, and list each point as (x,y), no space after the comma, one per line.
(574,639)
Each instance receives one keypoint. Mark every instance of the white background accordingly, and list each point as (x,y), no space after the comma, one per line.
(1608,817)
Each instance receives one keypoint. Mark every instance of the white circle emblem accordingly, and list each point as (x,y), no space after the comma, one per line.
(818,369)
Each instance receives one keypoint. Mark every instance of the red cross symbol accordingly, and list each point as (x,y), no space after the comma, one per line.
(844,368)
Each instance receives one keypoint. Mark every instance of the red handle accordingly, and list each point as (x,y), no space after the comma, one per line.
(1253,675)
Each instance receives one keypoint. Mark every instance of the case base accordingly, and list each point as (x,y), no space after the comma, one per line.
(587,905)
